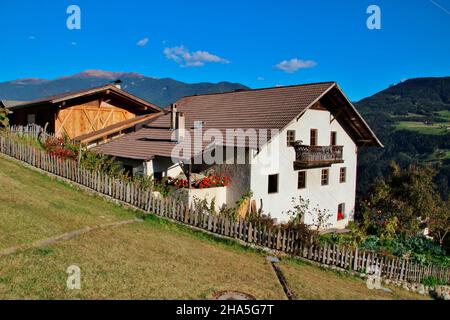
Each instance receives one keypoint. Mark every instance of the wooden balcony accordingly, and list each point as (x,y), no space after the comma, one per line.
(317,156)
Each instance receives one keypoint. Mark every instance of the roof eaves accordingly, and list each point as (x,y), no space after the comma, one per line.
(361,118)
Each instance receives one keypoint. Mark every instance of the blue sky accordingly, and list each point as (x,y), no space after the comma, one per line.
(257,43)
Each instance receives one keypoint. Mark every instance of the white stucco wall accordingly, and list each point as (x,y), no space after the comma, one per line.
(164,165)
(277,158)
(219,195)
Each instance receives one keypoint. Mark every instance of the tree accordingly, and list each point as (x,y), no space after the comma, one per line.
(4,121)
(409,195)
(439,222)
(320,217)
(320,220)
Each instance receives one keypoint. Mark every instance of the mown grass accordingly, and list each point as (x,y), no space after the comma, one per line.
(155,259)
(310,282)
(33,206)
(148,260)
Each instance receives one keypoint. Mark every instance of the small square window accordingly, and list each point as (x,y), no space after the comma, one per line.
(325,176)
(301,183)
(31,118)
(290,137)
(273,183)
(313,137)
(333,138)
(341,212)
(343,175)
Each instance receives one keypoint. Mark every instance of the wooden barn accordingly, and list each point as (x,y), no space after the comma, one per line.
(82,112)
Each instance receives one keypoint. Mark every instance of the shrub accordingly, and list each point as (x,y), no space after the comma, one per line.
(60,148)
(203,206)
(4,121)
(432,281)
(211,181)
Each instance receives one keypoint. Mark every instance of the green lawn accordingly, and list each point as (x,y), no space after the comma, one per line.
(154,259)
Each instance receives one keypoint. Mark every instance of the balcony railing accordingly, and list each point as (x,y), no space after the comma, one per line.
(318,155)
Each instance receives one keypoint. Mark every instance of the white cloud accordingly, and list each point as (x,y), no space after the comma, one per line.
(293,65)
(185,58)
(260,78)
(142,43)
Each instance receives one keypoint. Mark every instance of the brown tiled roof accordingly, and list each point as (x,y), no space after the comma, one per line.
(143,144)
(272,108)
(81,93)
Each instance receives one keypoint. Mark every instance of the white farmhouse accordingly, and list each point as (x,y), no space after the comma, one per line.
(280,143)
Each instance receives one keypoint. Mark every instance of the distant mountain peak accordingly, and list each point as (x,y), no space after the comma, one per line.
(109,75)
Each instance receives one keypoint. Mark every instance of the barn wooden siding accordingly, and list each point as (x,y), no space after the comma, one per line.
(88,117)
(284,240)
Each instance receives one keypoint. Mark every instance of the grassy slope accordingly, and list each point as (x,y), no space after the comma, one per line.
(420,127)
(33,206)
(438,128)
(150,260)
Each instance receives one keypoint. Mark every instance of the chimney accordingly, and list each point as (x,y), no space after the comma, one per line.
(117,84)
(173,116)
(181,126)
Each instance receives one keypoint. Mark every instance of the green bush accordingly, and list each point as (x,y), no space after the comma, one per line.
(432,281)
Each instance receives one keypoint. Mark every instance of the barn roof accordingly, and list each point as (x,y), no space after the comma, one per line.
(8,104)
(108,89)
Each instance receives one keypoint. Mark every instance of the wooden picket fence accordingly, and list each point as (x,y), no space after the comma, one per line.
(287,241)
(31,130)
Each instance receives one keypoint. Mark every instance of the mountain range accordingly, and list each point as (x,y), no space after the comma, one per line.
(161,92)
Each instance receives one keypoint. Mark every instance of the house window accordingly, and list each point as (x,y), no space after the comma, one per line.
(341,212)
(31,118)
(273,183)
(325,176)
(313,137)
(301,182)
(333,138)
(343,175)
(290,137)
